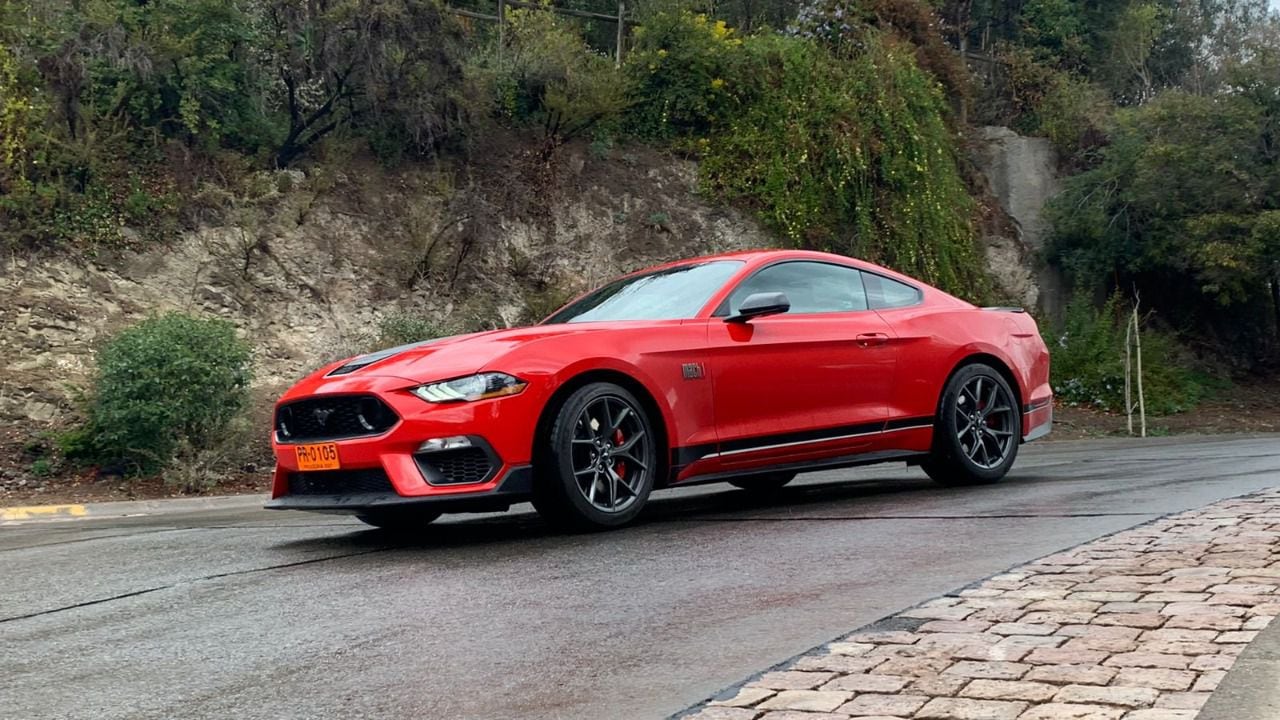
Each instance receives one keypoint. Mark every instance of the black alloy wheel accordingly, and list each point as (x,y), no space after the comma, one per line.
(599,461)
(978,429)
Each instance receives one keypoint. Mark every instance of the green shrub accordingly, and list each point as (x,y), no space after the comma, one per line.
(1088,362)
(850,154)
(844,26)
(1181,205)
(1074,113)
(405,328)
(241,446)
(21,113)
(547,75)
(167,382)
(680,68)
(541,302)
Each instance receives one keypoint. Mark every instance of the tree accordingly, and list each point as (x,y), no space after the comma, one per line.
(1182,205)
(390,70)
(1131,42)
(557,80)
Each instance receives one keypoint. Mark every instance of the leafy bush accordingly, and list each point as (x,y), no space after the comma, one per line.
(389,71)
(680,65)
(1181,206)
(1026,82)
(845,26)
(1088,362)
(541,302)
(833,133)
(20,115)
(847,153)
(547,75)
(167,382)
(405,328)
(99,93)
(242,446)
(1074,114)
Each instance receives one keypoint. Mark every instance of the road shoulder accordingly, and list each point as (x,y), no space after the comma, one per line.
(72,511)
(1251,689)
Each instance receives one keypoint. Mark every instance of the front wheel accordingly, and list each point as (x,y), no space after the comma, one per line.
(979,426)
(598,462)
(399,521)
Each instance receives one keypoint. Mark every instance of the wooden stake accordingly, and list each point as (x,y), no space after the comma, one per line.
(622,28)
(1137,339)
(1128,373)
(502,22)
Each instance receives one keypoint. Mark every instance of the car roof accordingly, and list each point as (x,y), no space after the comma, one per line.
(758,257)
(755,259)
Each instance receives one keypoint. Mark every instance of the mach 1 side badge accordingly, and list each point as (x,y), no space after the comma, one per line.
(693,371)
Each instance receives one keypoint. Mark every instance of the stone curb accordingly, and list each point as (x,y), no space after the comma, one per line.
(1141,624)
(23,514)
(1251,689)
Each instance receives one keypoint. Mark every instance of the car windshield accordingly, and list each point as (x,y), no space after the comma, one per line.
(674,293)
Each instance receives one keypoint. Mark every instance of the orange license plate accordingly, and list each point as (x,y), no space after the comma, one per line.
(320,456)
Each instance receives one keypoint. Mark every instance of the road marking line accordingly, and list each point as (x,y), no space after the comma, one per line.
(26,512)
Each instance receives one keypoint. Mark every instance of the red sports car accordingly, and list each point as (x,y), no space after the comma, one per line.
(746,368)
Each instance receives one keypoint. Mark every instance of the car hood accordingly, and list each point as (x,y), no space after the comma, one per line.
(448,357)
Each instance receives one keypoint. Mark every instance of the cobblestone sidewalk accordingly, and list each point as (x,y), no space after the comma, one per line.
(1140,625)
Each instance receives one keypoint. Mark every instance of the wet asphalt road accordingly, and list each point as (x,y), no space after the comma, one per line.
(251,614)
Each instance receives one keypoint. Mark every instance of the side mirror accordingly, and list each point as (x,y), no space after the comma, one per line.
(760,304)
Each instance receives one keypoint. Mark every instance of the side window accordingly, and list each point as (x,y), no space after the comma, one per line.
(883,293)
(812,287)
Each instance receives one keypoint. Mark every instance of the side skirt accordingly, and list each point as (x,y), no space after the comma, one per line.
(835,463)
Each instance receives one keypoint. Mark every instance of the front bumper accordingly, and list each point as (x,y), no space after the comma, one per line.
(398,474)
(515,486)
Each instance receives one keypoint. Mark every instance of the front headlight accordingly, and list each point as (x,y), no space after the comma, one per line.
(474,387)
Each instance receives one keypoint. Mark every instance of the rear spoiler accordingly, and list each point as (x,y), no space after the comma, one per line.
(1005,309)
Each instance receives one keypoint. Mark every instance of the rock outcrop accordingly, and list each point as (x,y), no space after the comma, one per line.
(307,272)
(1023,175)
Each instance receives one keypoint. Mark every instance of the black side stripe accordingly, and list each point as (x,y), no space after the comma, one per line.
(801,437)
(688,454)
(908,423)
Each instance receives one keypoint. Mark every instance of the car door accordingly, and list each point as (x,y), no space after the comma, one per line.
(811,382)
(916,383)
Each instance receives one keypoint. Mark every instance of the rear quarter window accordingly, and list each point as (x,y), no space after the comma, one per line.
(883,293)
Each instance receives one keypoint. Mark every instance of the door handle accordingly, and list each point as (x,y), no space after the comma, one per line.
(872,339)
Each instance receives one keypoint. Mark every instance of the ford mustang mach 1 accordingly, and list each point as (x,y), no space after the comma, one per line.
(746,368)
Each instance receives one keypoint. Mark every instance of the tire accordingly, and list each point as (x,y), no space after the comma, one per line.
(399,521)
(597,464)
(977,431)
(763,483)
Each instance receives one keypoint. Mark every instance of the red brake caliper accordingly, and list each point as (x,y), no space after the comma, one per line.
(620,467)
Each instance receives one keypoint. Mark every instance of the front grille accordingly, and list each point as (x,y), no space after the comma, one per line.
(333,418)
(456,467)
(340,482)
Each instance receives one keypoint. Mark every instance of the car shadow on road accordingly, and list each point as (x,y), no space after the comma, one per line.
(815,501)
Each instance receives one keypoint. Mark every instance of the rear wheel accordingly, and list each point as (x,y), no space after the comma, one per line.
(399,521)
(598,462)
(763,483)
(979,426)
